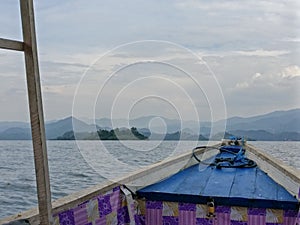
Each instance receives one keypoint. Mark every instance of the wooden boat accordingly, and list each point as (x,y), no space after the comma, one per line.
(180,193)
(183,191)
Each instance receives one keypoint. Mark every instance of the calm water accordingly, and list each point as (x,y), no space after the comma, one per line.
(77,165)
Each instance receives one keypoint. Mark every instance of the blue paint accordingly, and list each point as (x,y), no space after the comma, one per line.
(196,183)
(248,187)
(218,183)
(244,180)
(231,148)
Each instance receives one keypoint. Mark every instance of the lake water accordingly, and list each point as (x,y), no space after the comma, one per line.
(76,165)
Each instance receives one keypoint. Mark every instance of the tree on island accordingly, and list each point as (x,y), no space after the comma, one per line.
(115,134)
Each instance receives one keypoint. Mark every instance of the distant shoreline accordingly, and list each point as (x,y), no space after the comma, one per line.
(274,126)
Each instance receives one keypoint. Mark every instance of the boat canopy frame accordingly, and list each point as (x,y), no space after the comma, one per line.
(29,46)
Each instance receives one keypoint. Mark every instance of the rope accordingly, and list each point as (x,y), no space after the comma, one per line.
(238,161)
(203,147)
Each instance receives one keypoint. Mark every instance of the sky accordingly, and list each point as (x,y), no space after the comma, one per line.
(189,60)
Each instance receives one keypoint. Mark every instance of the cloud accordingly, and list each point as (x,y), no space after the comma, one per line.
(59,90)
(233,5)
(263,53)
(242,85)
(256,76)
(251,47)
(290,72)
(295,39)
(282,77)
(212,5)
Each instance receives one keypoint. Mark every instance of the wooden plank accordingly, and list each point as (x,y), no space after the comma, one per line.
(244,183)
(283,194)
(11,44)
(219,183)
(247,187)
(197,181)
(265,187)
(172,183)
(189,181)
(36,112)
(284,175)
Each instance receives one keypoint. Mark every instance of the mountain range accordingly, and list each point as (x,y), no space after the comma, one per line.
(278,125)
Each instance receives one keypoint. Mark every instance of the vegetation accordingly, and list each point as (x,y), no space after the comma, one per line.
(115,134)
(184,136)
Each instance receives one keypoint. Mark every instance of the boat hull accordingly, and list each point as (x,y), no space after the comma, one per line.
(112,203)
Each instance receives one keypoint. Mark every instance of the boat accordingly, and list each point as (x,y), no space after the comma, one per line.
(229,183)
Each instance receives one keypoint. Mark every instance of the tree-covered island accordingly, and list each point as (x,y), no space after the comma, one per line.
(114,134)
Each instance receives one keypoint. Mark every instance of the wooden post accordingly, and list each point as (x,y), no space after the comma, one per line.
(11,44)
(36,112)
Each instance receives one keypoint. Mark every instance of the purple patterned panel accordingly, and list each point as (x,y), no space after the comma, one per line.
(116,188)
(257,211)
(289,221)
(170,220)
(123,216)
(187,217)
(290,213)
(66,217)
(223,218)
(154,216)
(154,205)
(223,209)
(104,205)
(223,215)
(80,214)
(187,206)
(204,221)
(256,220)
(139,220)
(239,223)
(100,221)
(115,200)
(290,217)
(273,223)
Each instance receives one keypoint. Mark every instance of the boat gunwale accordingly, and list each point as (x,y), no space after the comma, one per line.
(293,173)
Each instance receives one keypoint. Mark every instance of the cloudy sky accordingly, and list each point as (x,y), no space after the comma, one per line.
(189,59)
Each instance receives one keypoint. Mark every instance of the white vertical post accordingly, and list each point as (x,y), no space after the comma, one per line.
(36,112)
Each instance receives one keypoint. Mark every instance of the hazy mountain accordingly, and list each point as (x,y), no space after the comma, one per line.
(168,125)
(275,122)
(58,128)
(16,133)
(262,135)
(278,125)
(6,125)
(53,129)
(221,135)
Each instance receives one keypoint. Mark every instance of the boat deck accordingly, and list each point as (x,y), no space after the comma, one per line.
(248,187)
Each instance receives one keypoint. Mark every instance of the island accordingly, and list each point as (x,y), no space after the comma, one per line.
(114,134)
